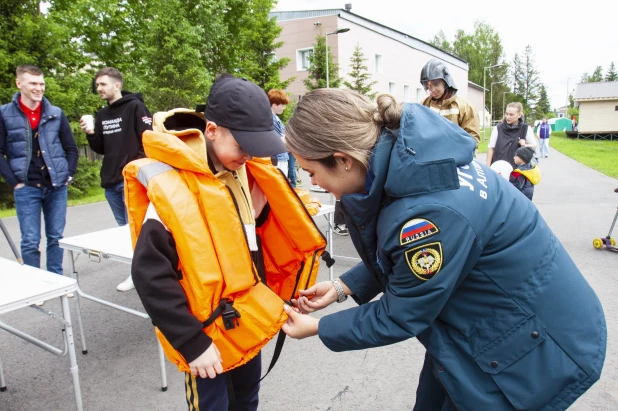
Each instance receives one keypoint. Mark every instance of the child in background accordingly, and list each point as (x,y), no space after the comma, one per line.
(526,175)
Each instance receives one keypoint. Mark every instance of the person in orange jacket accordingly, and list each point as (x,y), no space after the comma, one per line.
(176,262)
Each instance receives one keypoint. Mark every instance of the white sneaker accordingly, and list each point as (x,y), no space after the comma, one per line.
(126,285)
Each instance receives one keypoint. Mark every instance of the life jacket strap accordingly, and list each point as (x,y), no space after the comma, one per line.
(227,311)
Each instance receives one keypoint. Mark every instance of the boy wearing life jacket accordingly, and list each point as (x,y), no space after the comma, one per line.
(526,175)
(220,241)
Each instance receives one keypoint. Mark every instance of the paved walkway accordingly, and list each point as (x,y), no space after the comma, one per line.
(120,372)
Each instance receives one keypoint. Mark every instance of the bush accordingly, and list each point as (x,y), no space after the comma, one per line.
(6,195)
(86,177)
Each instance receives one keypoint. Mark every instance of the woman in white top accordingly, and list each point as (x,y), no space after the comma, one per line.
(509,135)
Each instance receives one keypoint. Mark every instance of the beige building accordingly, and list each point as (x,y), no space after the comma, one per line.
(475,99)
(598,108)
(394,59)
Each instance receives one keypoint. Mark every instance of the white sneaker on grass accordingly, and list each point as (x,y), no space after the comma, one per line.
(126,285)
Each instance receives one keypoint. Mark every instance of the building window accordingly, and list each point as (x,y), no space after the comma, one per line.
(406,93)
(302,58)
(391,88)
(616,108)
(420,95)
(379,68)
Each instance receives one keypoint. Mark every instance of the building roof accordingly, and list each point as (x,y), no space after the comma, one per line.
(396,35)
(603,90)
(476,86)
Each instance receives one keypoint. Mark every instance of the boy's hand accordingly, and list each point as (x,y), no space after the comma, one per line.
(299,326)
(209,364)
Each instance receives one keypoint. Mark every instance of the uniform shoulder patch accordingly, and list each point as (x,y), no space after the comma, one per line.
(425,261)
(417,229)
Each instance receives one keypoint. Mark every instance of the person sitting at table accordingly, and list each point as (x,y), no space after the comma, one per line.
(210,228)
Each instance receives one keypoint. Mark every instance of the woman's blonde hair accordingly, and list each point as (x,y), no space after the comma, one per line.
(516,105)
(328,121)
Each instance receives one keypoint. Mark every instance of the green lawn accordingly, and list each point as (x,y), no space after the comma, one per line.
(94,196)
(598,155)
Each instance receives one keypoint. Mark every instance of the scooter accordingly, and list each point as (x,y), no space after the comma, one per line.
(608,241)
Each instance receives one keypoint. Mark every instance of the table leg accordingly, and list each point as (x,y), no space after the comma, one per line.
(2,382)
(77,306)
(162,364)
(72,357)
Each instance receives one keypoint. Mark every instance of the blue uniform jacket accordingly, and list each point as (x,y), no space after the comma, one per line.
(467,265)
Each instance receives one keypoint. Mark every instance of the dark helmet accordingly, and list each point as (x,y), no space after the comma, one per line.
(436,69)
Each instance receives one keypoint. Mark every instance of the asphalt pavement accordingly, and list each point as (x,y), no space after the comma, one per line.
(121,370)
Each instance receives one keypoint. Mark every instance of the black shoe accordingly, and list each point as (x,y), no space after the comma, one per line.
(341,229)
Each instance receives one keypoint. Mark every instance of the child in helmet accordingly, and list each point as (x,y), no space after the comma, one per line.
(443,98)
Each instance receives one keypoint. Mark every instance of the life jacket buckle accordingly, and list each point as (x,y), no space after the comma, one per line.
(230,316)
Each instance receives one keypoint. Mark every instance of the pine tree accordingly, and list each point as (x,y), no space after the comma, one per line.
(361,78)
(441,42)
(542,106)
(317,67)
(526,78)
(611,75)
(597,75)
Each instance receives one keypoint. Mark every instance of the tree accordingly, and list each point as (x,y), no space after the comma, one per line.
(526,79)
(361,78)
(174,73)
(317,67)
(597,75)
(441,42)
(611,75)
(263,67)
(542,106)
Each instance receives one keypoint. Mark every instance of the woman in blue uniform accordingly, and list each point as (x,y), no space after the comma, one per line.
(448,245)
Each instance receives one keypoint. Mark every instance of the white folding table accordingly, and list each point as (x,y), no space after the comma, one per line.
(113,244)
(22,286)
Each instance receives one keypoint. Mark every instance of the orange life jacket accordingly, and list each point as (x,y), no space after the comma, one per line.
(224,291)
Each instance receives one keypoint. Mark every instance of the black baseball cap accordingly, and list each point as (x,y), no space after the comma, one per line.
(242,107)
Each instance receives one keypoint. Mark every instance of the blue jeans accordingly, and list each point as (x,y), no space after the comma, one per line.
(292,170)
(207,394)
(115,198)
(544,147)
(28,203)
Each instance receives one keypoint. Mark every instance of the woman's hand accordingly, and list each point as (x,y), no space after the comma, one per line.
(299,326)
(522,142)
(209,364)
(315,298)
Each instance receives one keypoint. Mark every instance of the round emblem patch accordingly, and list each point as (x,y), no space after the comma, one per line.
(425,261)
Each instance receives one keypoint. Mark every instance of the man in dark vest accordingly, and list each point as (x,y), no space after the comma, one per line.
(38,158)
